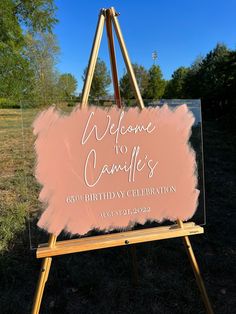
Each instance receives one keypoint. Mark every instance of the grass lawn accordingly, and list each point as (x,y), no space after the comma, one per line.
(101,281)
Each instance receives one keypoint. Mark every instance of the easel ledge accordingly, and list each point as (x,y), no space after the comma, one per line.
(117,239)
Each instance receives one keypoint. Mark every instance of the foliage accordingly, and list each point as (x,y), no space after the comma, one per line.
(191,86)
(10,31)
(212,75)
(151,83)
(15,73)
(141,75)
(6,103)
(156,84)
(18,16)
(66,85)
(174,88)
(37,15)
(41,53)
(211,78)
(101,80)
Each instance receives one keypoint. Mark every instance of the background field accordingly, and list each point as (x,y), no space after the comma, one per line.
(101,281)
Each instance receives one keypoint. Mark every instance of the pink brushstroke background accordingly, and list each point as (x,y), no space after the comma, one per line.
(61,160)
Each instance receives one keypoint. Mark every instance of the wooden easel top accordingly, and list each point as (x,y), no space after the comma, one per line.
(110,17)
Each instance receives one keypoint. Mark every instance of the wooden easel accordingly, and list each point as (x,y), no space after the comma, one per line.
(53,247)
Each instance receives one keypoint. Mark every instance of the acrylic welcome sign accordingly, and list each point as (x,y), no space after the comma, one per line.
(111,168)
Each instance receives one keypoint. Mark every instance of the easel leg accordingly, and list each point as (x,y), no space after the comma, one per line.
(196,271)
(93,59)
(43,276)
(113,58)
(127,59)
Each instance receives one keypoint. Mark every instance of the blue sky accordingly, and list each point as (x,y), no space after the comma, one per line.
(179,30)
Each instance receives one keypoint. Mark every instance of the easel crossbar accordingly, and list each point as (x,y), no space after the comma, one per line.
(117,239)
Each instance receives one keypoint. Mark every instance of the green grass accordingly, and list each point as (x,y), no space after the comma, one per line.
(101,281)
(13,210)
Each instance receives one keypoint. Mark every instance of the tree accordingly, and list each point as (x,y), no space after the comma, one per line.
(217,75)
(11,34)
(41,52)
(141,75)
(101,80)
(33,15)
(175,87)
(228,70)
(156,84)
(213,79)
(205,76)
(66,85)
(15,74)
(211,74)
(13,68)
(36,15)
(126,90)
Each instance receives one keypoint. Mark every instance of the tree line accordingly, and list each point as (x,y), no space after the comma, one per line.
(211,78)
(29,53)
